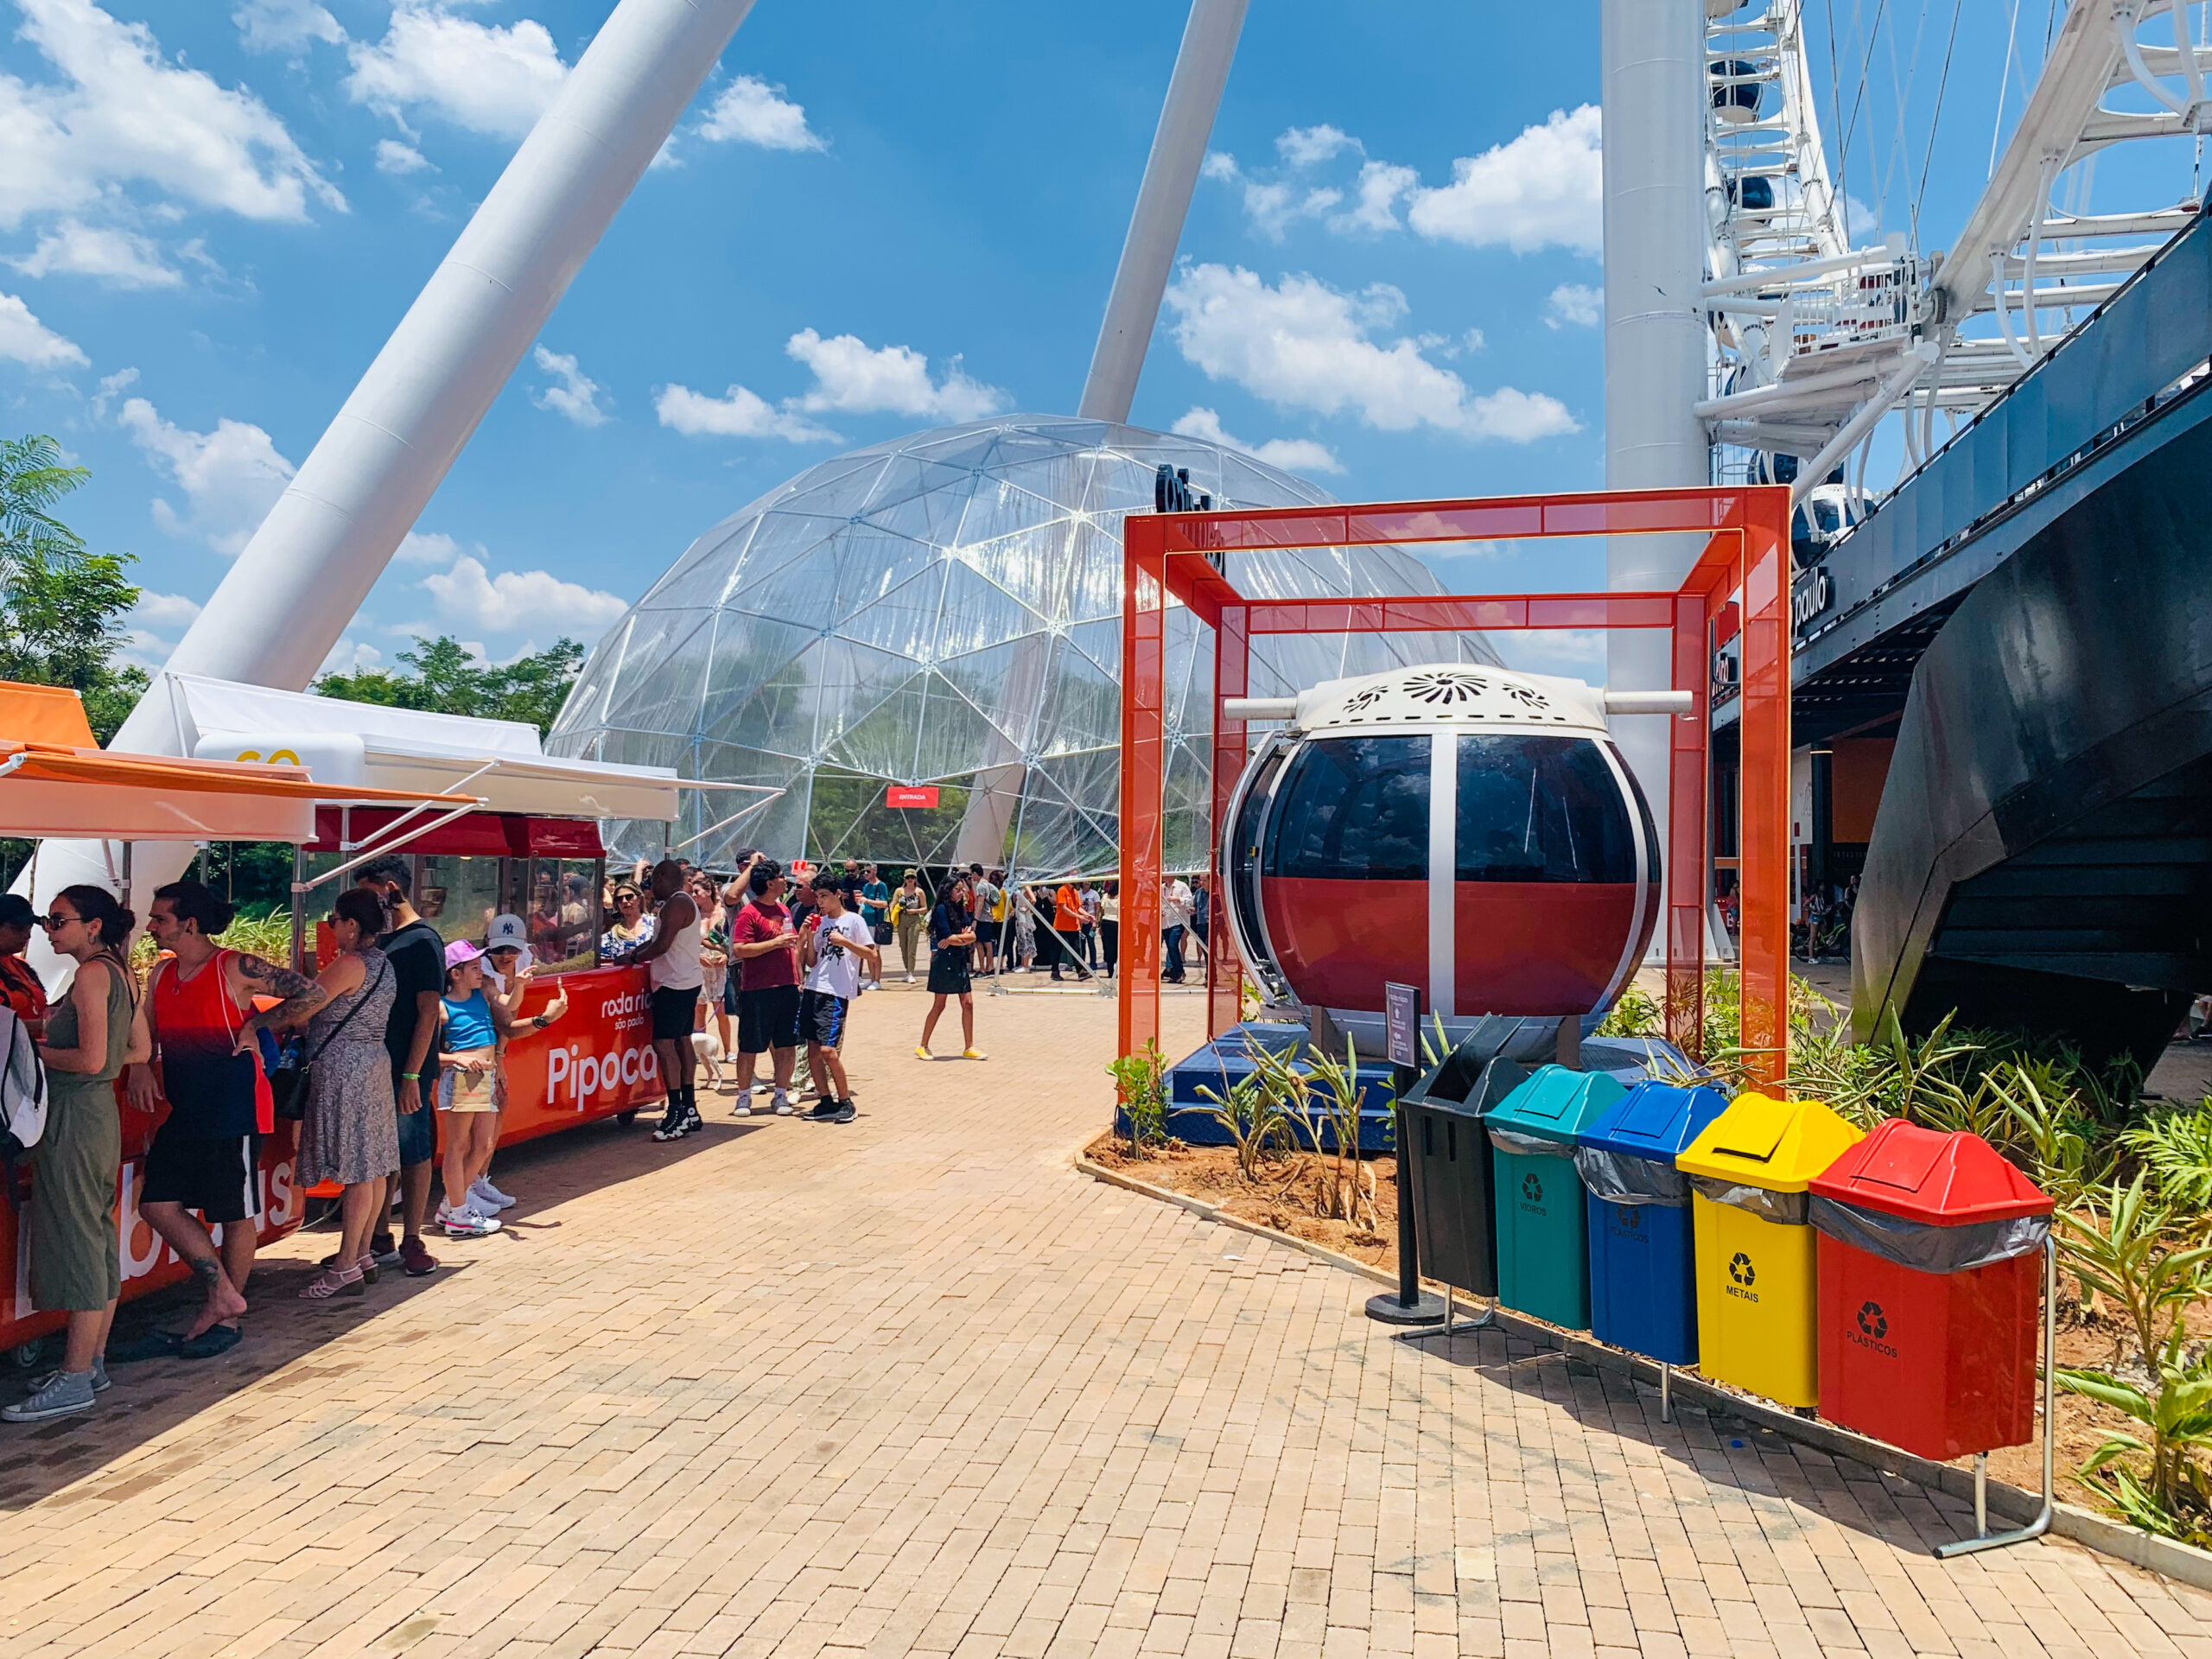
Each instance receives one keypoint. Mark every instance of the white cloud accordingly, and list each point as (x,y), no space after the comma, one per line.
(1292,455)
(286,26)
(1540,189)
(350,656)
(394,158)
(851,379)
(1272,203)
(576,397)
(750,112)
(1303,344)
(1554,651)
(478,76)
(25,339)
(163,610)
(1381,184)
(122,112)
(230,477)
(1574,305)
(119,258)
(738,413)
(468,594)
(427,547)
(1306,146)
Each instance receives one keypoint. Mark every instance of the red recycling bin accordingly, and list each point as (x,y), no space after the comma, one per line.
(1930,1264)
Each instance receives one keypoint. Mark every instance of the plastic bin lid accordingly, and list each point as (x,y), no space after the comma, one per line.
(1952,1181)
(1779,1145)
(1655,1120)
(1556,1103)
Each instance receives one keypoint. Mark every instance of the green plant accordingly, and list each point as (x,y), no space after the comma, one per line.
(268,936)
(1347,1188)
(2176,1148)
(1635,1015)
(2125,1248)
(1257,1119)
(1141,1083)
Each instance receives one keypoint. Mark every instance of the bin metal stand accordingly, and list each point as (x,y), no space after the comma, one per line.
(1666,1392)
(1983,1538)
(1410,1304)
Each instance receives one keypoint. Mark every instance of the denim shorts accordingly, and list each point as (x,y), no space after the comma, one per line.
(418,1131)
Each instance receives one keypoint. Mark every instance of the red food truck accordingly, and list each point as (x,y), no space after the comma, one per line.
(490,826)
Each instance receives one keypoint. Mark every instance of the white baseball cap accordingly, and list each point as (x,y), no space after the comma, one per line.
(508,933)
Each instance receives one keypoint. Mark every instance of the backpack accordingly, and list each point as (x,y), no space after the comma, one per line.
(23,1094)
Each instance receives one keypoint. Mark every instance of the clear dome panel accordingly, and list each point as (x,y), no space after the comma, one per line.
(946,609)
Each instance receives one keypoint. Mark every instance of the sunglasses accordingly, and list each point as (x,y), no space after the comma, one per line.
(56,920)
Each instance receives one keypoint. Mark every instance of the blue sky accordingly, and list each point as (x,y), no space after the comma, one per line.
(876,217)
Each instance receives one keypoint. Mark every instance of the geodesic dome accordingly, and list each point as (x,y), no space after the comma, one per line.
(945,609)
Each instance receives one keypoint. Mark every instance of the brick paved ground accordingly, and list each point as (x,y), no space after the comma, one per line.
(912,1386)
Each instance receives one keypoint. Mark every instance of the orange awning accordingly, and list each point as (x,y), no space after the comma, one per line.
(55,780)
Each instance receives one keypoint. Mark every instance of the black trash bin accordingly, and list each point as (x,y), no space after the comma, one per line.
(1446,1158)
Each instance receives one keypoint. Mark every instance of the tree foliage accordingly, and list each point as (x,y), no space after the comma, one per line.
(442,677)
(61,605)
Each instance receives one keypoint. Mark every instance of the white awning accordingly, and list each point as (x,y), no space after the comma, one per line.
(343,742)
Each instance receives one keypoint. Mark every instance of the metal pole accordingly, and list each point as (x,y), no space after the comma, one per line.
(2036,1528)
(1652,73)
(299,908)
(1179,145)
(1410,1304)
(1666,1392)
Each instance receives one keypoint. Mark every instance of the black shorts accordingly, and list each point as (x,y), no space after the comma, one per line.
(767,1019)
(218,1177)
(676,1013)
(821,1018)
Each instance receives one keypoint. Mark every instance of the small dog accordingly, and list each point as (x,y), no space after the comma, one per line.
(707,1046)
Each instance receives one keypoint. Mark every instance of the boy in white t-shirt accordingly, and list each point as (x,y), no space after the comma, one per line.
(838,945)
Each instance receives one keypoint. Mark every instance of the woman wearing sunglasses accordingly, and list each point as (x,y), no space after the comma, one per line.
(633,927)
(71,1229)
(349,1134)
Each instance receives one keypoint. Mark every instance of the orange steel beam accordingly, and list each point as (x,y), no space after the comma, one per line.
(1176,559)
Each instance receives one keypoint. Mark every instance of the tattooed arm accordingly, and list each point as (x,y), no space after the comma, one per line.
(257,977)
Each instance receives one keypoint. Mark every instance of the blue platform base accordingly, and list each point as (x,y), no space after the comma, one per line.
(1227,1061)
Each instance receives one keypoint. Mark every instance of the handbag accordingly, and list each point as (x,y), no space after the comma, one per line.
(287,1084)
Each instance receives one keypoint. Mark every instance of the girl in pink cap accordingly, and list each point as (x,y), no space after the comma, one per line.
(472,1055)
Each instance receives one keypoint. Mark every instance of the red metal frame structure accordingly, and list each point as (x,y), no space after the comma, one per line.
(1177,558)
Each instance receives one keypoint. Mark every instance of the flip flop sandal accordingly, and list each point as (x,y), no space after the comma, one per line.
(155,1344)
(215,1339)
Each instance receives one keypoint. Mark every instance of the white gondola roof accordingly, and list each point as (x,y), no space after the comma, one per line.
(1473,697)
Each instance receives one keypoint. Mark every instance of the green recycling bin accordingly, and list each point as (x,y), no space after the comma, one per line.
(1543,1238)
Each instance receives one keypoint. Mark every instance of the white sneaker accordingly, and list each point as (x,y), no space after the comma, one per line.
(743,1109)
(486,1198)
(784,1107)
(909,979)
(444,1210)
(470,1224)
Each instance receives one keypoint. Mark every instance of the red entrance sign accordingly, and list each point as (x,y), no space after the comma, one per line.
(923,795)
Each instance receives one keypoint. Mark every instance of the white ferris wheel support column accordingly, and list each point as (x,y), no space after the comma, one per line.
(1178,148)
(1653,74)
(286,600)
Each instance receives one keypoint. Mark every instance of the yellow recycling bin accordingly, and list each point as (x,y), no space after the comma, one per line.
(1755,1280)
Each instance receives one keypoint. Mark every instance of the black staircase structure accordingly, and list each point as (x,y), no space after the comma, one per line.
(2042,857)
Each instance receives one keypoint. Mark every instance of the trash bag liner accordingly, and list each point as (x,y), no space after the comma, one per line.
(1787,1208)
(1530,1146)
(1623,1178)
(1927,1248)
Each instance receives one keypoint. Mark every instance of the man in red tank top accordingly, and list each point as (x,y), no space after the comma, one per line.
(199,1024)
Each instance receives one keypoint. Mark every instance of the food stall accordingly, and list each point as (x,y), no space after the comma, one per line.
(55,780)
(530,847)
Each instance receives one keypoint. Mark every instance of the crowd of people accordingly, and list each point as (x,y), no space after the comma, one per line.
(399,1023)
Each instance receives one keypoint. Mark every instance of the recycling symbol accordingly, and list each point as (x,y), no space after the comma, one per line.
(1631,1216)
(1740,1269)
(1532,1189)
(1872,1321)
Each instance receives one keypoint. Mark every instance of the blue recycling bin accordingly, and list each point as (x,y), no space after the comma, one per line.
(1642,1285)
